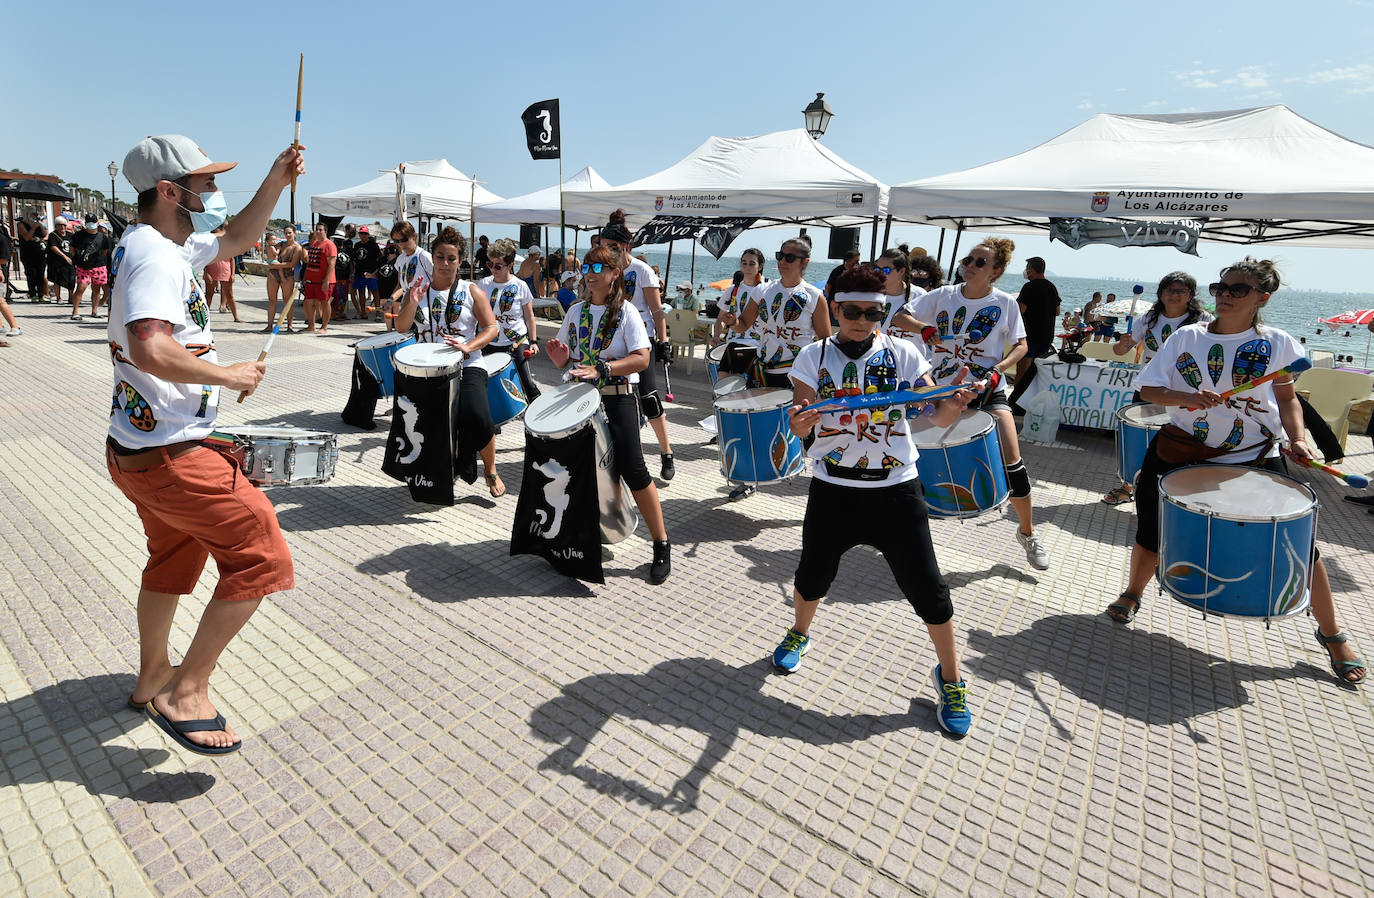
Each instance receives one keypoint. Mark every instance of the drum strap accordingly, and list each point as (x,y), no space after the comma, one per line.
(590,347)
(1176,446)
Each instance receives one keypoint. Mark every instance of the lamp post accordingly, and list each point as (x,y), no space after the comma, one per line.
(818,115)
(113,170)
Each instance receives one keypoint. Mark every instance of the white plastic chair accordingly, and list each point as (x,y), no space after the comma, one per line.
(1332,393)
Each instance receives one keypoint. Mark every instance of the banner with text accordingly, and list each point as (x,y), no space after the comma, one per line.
(1180,233)
(714,234)
(1089,392)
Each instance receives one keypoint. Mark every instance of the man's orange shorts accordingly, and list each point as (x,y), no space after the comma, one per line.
(199,504)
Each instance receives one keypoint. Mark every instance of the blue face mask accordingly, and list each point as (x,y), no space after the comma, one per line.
(215,214)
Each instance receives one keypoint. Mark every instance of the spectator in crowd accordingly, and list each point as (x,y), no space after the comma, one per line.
(388,279)
(5,311)
(567,291)
(33,253)
(61,268)
(1039,304)
(91,254)
(531,271)
(343,273)
(367,255)
(219,276)
(318,278)
(283,257)
(850,260)
(6,251)
(480,257)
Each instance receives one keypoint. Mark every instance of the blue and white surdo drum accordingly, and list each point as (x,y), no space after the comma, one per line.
(505,394)
(1136,425)
(1236,540)
(756,443)
(960,465)
(378,352)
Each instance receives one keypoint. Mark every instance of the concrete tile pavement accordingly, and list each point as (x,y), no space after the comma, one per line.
(426,715)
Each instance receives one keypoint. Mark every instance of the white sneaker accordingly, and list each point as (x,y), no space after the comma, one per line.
(15,331)
(1035,550)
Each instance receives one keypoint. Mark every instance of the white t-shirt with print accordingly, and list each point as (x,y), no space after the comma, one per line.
(508,302)
(785,323)
(408,266)
(1153,336)
(638,278)
(734,300)
(897,304)
(156,278)
(1194,359)
(996,317)
(629,337)
(875,438)
(447,313)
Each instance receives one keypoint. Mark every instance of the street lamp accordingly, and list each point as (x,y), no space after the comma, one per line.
(113,170)
(818,115)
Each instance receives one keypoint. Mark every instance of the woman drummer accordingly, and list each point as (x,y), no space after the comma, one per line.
(742,348)
(790,315)
(608,346)
(450,310)
(1176,305)
(968,324)
(894,265)
(513,305)
(1233,349)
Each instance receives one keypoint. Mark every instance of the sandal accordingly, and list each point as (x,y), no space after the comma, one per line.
(1119,495)
(1121,612)
(1341,668)
(492,481)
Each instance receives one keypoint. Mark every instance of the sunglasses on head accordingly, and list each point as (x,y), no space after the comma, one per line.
(853,312)
(789,257)
(976,263)
(1235,291)
(594,267)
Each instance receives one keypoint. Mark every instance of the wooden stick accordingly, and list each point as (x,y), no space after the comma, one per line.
(1297,367)
(300,81)
(1359,481)
(281,319)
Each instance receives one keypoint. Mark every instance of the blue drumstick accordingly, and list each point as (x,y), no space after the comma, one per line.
(896,397)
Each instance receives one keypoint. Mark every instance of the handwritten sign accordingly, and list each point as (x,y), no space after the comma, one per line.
(1089,392)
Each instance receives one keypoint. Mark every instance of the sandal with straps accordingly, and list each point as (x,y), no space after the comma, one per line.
(1121,612)
(1118,496)
(1341,668)
(492,480)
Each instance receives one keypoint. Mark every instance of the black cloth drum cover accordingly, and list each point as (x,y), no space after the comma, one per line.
(420,446)
(363,393)
(557,516)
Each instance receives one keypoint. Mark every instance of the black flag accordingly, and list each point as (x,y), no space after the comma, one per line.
(541,130)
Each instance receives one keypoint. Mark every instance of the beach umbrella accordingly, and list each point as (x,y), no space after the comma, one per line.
(722,284)
(1357,318)
(34,189)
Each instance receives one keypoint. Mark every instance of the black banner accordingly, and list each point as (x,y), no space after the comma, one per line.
(714,234)
(1180,233)
(557,516)
(419,448)
(542,134)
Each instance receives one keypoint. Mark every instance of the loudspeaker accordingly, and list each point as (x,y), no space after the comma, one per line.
(843,242)
(529,236)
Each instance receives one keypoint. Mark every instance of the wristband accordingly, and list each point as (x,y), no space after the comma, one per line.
(603,369)
(928,334)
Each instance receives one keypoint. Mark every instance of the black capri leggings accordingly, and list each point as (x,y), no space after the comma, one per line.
(475,429)
(522,368)
(622,419)
(648,385)
(893,520)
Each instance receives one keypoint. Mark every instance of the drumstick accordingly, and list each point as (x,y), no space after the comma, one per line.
(897,397)
(300,79)
(1359,481)
(1297,367)
(281,319)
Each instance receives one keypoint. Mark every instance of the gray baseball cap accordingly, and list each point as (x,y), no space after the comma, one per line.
(168,157)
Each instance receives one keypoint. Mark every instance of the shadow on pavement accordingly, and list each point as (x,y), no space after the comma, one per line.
(455,573)
(700,694)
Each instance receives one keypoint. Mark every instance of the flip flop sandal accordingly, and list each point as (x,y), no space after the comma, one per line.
(1341,668)
(491,485)
(1121,612)
(177,730)
(1119,496)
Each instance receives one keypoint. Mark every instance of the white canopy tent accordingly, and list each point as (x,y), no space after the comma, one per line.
(1255,175)
(781,177)
(541,206)
(433,189)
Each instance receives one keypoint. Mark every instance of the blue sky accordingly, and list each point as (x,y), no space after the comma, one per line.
(918,90)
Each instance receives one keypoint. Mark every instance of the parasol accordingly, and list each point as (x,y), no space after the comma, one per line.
(1357,318)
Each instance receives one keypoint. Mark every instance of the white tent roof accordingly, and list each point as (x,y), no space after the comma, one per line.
(541,206)
(783,176)
(1256,175)
(433,187)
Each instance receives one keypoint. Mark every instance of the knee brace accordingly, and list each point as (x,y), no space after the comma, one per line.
(651,405)
(1017,479)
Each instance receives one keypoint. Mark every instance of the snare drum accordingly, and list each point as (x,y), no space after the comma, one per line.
(961,468)
(567,409)
(1236,540)
(731,383)
(279,456)
(1136,425)
(714,356)
(376,354)
(505,396)
(756,443)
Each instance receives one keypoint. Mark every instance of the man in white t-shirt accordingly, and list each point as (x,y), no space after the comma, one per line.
(167,383)
(414,263)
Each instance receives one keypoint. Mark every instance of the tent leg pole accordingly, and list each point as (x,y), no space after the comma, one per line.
(954,254)
(873,243)
(887,232)
(667,267)
(940,251)
(693,276)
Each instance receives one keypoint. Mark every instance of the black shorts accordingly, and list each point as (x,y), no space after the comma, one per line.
(893,520)
(622,419)
(62,276)
(992,400)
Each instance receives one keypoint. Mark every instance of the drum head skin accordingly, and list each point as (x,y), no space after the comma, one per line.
(428,359)
(493,364)
(377,341)
(749,400)
(561,408)
(1237,493)
(1144,414)
(971,425)
(716,354)
(269,432)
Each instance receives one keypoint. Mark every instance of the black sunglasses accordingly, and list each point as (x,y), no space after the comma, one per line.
(594,267)
(976,263)
(788,257)
(1235,291)
(853,312)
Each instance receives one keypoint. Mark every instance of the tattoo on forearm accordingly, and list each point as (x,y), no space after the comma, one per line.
(145,328)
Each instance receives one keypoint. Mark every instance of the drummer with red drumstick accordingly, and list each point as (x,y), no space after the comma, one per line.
(1192,370)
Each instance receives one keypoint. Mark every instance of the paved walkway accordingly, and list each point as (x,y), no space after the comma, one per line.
(425,714)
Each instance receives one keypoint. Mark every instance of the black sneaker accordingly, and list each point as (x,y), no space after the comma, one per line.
(742,491)
(663,562)
(667,471)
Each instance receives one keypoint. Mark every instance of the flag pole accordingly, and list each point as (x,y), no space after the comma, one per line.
(562,216)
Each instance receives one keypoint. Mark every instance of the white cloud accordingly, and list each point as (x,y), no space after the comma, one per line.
(1198,78)
(1249,78)
(1357,79)
(1085,104)
(1155,104)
